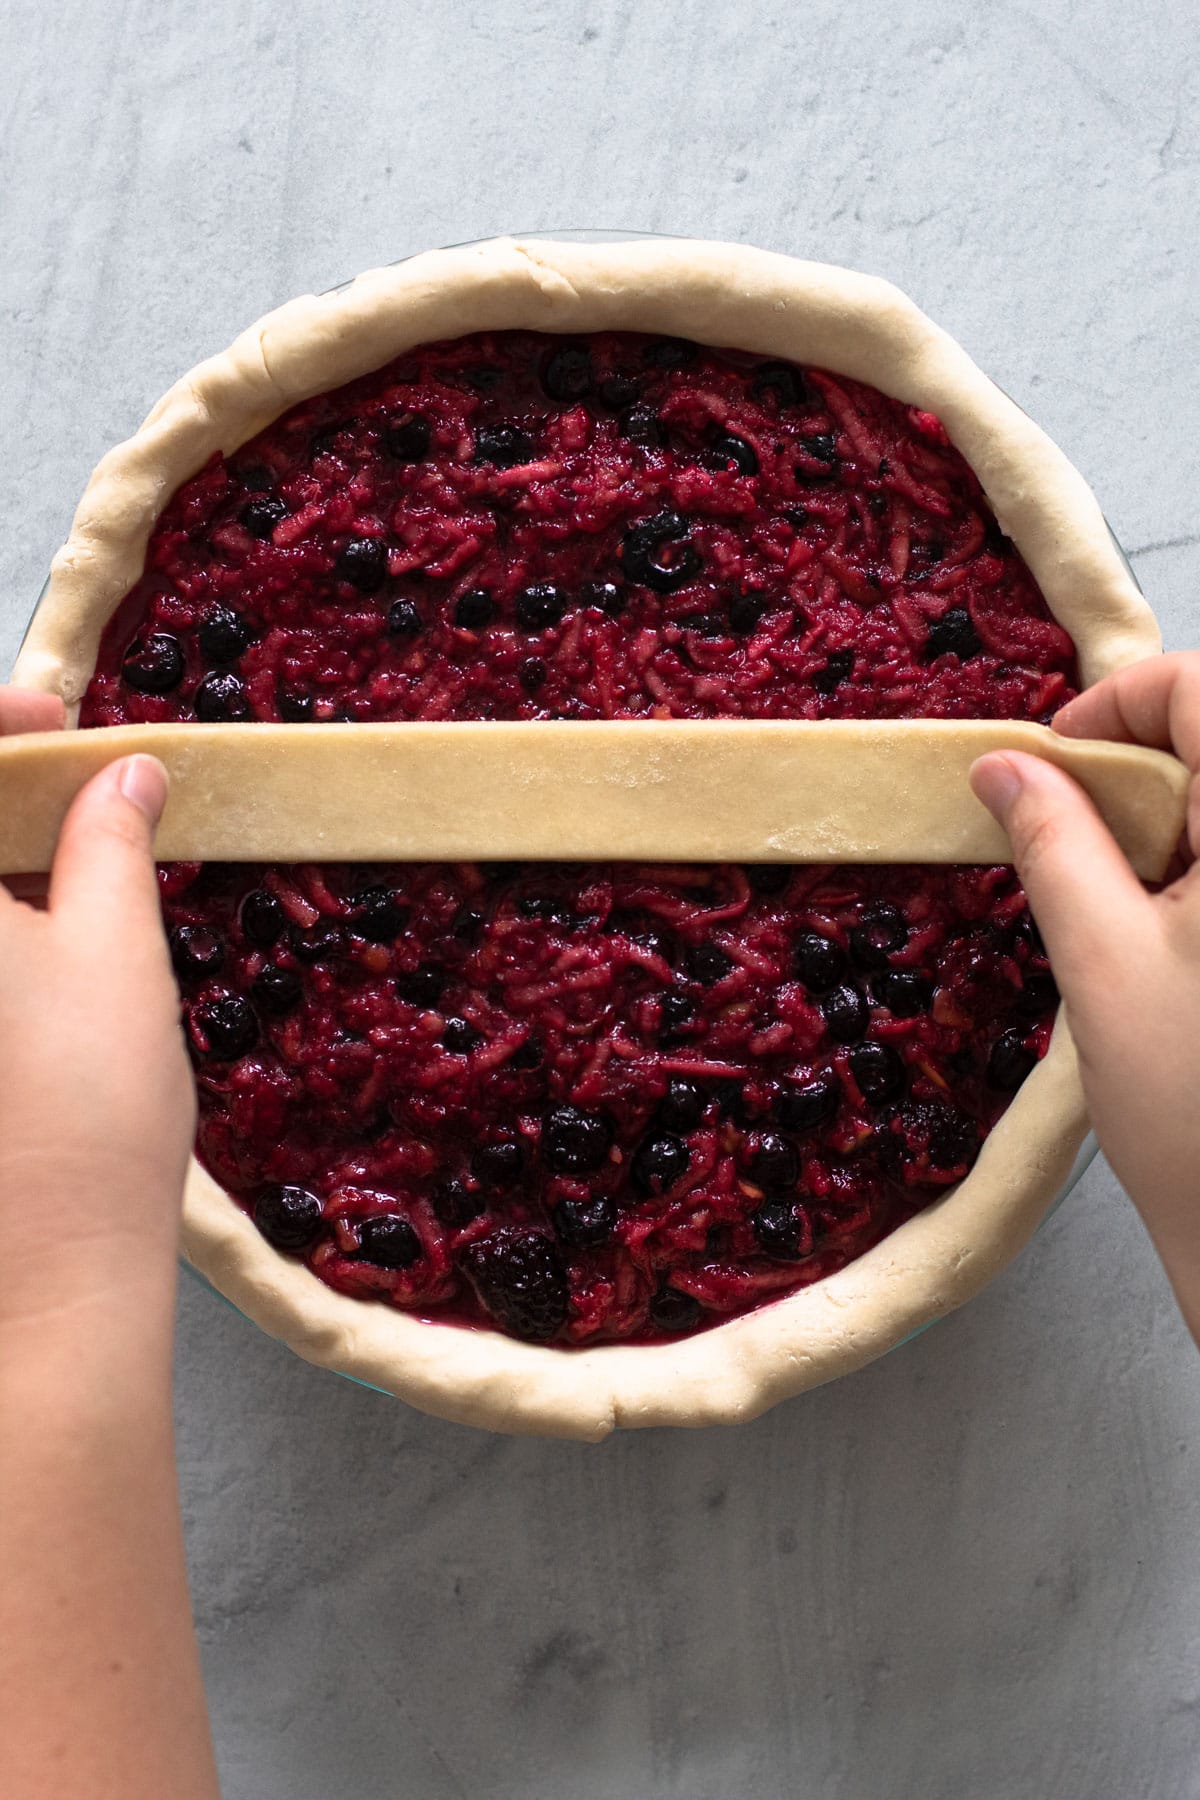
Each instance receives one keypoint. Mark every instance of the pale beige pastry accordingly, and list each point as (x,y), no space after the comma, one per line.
(721,295)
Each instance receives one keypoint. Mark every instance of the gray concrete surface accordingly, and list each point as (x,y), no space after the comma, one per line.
(970,1572)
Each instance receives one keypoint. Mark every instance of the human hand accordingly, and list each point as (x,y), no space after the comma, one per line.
(99,1675)
(1127,961)
(96,1099)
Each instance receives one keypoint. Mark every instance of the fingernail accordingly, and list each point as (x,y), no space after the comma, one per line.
(996,783)
(143,781)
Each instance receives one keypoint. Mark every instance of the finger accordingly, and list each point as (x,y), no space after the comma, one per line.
(103,866)
(23,709)
(1155,702)
(1086,899)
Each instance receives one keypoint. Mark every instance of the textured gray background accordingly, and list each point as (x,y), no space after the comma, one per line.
(969,1572)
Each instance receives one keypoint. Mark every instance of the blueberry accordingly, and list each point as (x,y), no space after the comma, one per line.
(483,377)
(223,1029)
(802,1106)
(707,963)
(671,1310)
(529,1055)
(288,1217)
(254,478)
(819,963)
(467,924)
(797,516)
(606,596)
(474,609)
(223,635)
(404,618)
(881,932)
(1010,1062)
(540,606)
(322,944)
(499,1164)
(730,1097)
(544,906)
(520,1280)
(453,1202)
(846,1014)
(261,917)
(658,1163)
(154,665)
(460,1037)
(406,437)
(745,610)
(646,544)
(294,705)
(507,446)
(196,952)
(775,1163)
(422,986)
(324,443)
(952,635)
(567,373)
(276,989)
(260,517)
(388,1241)
(642,425)
(822,447)
(532,674)
(879,1072)
(380,915)
(783,1229)
(618,390)
(670,353)
(675,1013)
(904,992)
(682,1107)
(585,1224)
(836,669)
(768,878)
(363,563)
(575,1142)
(1038,995)
(220,699)
(731,453)
(783,383)
(708,624)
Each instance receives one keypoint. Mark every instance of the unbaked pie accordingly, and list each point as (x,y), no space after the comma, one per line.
(682,1137)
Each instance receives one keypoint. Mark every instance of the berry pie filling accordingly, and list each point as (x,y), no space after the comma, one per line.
(585,1102)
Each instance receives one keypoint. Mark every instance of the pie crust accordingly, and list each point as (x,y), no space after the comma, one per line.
(719,294)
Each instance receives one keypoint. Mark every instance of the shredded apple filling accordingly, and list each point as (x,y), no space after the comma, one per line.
(586,1102)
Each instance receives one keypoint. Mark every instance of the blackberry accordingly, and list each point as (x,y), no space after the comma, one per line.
(520,1280)
(575,1142)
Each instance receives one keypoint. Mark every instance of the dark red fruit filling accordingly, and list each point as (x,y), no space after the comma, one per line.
(590,1102)
(597,1101)
(672,532)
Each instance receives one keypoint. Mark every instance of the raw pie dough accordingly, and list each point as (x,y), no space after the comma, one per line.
(719,294)
(687,790)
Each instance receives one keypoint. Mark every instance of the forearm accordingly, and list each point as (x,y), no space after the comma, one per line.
(99,1677)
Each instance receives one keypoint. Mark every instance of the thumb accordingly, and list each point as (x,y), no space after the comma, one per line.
(103,866)
(1087,901)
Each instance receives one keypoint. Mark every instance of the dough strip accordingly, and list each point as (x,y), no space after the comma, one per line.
(632,790)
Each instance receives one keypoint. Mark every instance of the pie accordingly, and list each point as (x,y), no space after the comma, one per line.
(561,1145)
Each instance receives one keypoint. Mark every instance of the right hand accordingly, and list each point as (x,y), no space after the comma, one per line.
(1127,961)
